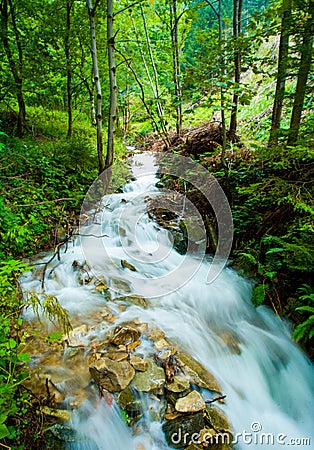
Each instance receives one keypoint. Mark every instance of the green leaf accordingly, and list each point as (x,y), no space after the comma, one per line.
(306,308)
(12,343)
(3,417)
(4,432)
(24,357)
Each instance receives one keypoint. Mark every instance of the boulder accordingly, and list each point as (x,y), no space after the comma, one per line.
(217,418)
(63,415)
(77,336)
(181,431)
(151,380)
(112,375)
(137,300)
(161,345)
(125,334)
(191,403)
(121,285)
(198,373)
(138,363)
(180,384)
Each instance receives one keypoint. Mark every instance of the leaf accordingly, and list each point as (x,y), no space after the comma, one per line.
(275,250)
(12,343)
(3,417)
(4,432)
(306,308)
(24,357)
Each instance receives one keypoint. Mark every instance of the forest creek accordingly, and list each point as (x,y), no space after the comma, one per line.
(156,224)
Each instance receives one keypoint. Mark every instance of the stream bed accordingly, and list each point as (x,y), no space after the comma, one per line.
(122,271)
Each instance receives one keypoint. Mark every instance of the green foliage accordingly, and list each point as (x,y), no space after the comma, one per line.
(13,400)
(51,309)
(305,330)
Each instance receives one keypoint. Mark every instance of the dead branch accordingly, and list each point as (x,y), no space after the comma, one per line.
(46,201)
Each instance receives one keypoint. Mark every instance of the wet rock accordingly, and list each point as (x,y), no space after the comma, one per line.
(180,384)
(198,373)
(112,375)
(154,333)
(102,287)
(138,363)
(124,335)
(107,315)
(57,435)
(61,414)
(194,447)
(130,404)
(231,342)
(151,380)
(161,344)
(127,265)
(217,418)
(179,432)
(193,402)
(136,300)
(121,285)
(76,337)
(133,345)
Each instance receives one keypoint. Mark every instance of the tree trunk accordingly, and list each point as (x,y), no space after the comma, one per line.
(176,65)
(69,67)
(304,69)
(222,91)
(154,85)
(101,159)
(113,85)
(16,64)
(237,20)
(281,75)
(126,112)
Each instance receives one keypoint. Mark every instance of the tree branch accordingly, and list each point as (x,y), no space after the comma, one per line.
(47,201)
(128,7)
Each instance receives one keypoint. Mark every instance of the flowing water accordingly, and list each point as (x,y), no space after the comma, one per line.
(267,380)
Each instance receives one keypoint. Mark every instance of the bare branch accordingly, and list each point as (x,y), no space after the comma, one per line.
(47,201)
(128,7)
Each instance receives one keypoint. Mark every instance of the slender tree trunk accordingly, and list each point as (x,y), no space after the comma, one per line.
(304,70)
(222,91)
(281,75)
(174,21)
(113,85)
(126,115)
(237,20)
(153,84)
(101,159)
(69,67)
(16,64)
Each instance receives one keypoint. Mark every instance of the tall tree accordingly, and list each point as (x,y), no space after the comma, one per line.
(91,13)
(281,73)
(174,25)
(303,73)
(67,50)
(112,83)
(7,11)
(237,26)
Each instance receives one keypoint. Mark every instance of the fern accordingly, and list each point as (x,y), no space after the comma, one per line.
(51,309)
(305,330)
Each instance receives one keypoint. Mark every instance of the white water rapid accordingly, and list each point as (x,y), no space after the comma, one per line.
(268,381)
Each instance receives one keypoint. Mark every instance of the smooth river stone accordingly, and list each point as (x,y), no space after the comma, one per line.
(112,375)
(193,402)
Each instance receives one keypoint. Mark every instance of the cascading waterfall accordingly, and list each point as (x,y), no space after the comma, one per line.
(268,381)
